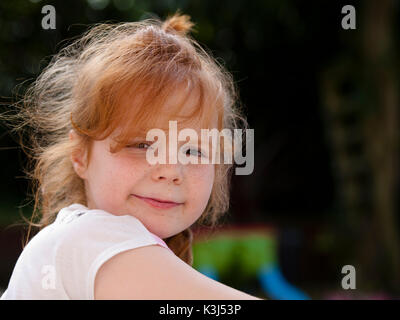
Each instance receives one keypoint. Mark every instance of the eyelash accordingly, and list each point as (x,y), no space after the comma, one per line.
(135,145)
(139,143)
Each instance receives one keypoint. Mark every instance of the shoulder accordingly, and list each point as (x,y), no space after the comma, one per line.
(154,273)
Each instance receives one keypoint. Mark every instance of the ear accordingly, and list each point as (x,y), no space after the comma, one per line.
(78,156)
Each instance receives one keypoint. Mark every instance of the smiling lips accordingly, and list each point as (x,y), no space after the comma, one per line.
(158,203)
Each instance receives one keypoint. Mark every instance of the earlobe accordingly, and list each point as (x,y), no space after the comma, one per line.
(78,157)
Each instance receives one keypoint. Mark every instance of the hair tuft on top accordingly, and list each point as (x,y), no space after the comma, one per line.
(178,23)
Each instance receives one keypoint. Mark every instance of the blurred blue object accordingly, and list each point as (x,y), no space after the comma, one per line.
(275,286)
(272,282)
(209,271)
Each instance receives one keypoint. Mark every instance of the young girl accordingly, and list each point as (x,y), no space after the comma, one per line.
(114,226)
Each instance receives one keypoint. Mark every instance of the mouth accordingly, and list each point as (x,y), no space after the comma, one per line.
(157,203)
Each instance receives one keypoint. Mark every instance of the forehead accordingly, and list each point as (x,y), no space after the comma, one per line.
(181,105)
(184,104)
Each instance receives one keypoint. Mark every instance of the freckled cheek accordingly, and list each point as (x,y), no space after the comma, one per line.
(128,170)
(118,175)
(201,180)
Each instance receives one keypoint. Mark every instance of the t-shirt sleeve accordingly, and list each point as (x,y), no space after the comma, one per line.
(92,239)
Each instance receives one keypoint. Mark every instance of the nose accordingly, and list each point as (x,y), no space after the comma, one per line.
(168,173)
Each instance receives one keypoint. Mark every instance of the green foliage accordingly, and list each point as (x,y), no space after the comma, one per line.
(236,254)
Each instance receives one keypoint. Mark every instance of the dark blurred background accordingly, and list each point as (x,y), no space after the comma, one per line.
(323,103)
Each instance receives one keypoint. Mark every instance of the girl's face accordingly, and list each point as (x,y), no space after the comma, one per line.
(114,182)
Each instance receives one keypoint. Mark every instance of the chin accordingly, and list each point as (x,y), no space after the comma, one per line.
(164,235)
(159,233)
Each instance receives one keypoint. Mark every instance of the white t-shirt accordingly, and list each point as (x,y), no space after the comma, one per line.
(62,259)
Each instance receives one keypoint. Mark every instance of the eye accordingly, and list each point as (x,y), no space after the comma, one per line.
(196,152)
(139,145)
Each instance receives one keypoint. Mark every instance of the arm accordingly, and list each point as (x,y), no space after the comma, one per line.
(152,272)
